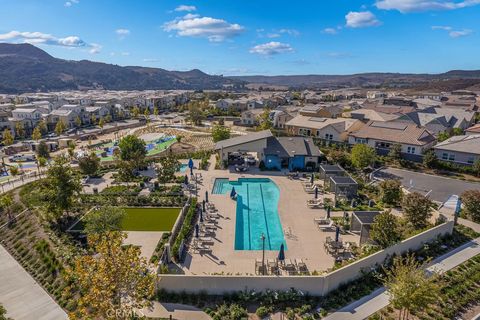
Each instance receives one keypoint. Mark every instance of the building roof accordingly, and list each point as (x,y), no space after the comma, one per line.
(243,139)
(397,132)
(291,146)
(366,217)
(340,124)
(331,168)
(343,180)
(467,144)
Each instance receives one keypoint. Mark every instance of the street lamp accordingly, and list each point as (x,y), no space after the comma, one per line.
(263,253)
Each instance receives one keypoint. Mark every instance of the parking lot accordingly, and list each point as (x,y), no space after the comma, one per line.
(438,188)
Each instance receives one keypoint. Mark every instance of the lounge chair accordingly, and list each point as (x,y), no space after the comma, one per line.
(205,240)
(311,189)
(321,221)
(314,203)
(290,267)
(325,227)
(302,267)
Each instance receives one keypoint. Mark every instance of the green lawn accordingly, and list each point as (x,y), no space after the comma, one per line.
(149,219)
(144,219)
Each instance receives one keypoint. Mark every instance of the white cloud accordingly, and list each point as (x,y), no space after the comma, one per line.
(215,30)
(150,60)
(122,32)
(271,48)
(424,5)
(361,19)
(125,54)
(330,31)
(184,7)
(291,32)
(273,35)
(70,3)
(453,33)
(48,39)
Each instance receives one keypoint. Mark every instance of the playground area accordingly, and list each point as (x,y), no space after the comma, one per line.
(155,144)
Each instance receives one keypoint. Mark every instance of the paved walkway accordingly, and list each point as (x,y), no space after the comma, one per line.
(379,299)
(176,310)
(22,296)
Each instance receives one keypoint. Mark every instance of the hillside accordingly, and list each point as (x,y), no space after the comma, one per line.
(26,68)
(453,80)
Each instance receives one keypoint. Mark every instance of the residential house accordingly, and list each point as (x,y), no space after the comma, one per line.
(463,150)
(251,117)
(323,128)
(382,136)
(97,112)
(324,111)
(294,153)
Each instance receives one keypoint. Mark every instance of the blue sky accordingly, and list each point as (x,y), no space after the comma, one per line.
(246,37)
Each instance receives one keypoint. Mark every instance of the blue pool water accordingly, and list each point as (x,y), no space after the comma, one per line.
(256,213)
(183,167)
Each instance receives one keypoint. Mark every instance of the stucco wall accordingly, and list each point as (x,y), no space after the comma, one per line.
(315,285)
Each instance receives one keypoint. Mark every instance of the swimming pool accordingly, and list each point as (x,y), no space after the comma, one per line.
(256,213)
(183,167)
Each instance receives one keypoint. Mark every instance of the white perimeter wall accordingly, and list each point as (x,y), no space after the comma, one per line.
(315,285)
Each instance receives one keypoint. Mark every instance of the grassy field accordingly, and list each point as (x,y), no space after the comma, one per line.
(160,147)
(144,219)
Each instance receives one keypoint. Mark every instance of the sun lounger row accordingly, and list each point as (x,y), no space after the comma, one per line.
(315,203)
(275,267)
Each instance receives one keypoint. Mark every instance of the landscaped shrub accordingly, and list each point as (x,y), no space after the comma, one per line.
(187,228)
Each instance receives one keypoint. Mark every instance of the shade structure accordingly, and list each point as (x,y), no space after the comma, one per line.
(281,253)
(316,192)
(233,193)
(197,231)
(311,178)
(337,233)
(203,205)
(190,163)
(206,196)
(185,179)
(328,212)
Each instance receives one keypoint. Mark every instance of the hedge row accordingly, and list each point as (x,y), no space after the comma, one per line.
(187,228)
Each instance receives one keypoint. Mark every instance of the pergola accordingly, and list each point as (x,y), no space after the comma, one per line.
(343,186)
(361,223)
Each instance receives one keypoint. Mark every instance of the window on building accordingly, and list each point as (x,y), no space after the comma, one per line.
(411,150)
(444,156)
(328,136)
(451,157)
(471,160)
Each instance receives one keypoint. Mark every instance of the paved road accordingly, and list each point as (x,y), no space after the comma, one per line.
(441,187)
(22,296)
(377,300)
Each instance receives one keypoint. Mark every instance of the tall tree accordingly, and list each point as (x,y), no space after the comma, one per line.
(265,121)
(395,152)
(471,204)
(36,134)
(385,229)
(104,220)
(132,149)
(417,209)
(62,186)
(78,122)
(60,127)
(409,287)
(42,150)
(6,203)
(362,156)
(115,278)
(166,170)
(195,114)
(135,112)
(89,164)
(429,159)
(7,137)
(220,133)
(19,130)
(42,126)
(391,192)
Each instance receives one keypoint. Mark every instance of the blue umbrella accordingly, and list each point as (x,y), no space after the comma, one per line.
(191,171)
(203,205)
(201,215)
(281,254)
(196,231)
(233,193)
(311,178)
(206,196)
(190,163)
(328,212)
(316,192)
(337,234)
(186,179)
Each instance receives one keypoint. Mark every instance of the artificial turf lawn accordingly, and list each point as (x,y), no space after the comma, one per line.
(144,219)
(156,150)
(149,219)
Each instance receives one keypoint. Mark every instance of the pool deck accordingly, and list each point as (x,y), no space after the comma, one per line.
(304,239)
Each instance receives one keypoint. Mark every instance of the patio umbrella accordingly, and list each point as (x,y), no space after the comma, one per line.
(196,231)
(337,233)
(311,178)
(206,196)
(281,253)
(201,215)
(191,171)
(233,193)
(186,179)
(328,212)
(203,205)
(190,163)
(316,192)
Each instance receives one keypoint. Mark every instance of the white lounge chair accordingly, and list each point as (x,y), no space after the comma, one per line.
(325,227)
(314,203)
(322,221)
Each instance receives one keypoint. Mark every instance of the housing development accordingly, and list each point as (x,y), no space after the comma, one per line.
(294,180)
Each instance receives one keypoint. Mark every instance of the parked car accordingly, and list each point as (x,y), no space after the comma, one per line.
(22,157)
